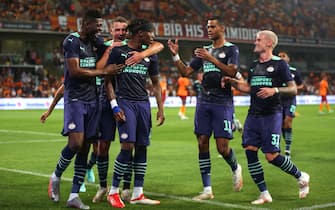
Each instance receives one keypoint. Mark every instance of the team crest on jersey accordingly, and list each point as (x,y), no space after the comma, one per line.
(71,126)
(124,136)
(270,69)
(146,59)
(222,55)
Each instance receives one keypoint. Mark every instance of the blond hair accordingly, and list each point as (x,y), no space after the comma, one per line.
(271,36)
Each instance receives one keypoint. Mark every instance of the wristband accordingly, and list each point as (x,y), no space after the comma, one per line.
(176,57)
(238,75)
(113,103)
(276,90)
(116,109)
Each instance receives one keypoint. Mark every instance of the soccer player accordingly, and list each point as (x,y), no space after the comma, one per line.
(289,105)
(323,91)
(262,128)
(133,100)
(89,171)
(182,92)
(80,104)
(214,109)
(107,125)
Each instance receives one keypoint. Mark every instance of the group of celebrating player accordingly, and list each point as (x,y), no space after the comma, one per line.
(105,88)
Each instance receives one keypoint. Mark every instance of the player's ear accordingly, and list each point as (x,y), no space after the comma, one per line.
(140,33)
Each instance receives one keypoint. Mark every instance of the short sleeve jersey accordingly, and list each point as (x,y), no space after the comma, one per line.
(183,83)
(297,79)
(79,88)
(131,81)
(273,73)
(323,87)
(213,90)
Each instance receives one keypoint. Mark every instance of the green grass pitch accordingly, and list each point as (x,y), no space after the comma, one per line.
(29,151)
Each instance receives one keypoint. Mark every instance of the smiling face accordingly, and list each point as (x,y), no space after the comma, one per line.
(262,43)
(265,41)
(93,27)
(119,31)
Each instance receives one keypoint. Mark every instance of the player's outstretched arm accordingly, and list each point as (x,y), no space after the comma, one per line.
(183,69)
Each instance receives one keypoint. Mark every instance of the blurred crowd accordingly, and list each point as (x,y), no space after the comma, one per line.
(36,81)
(298,18)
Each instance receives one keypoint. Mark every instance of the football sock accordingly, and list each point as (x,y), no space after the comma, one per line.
(288,138)
(321,107)
(328,107)
(183,109)
(73,195)
(92,160)
(127,175)
(137,192)
(285,164)
(256,170)
(231,160)
(120,165)
(80,165)
(205,168)
(102,165)
(140,165)
(64,160)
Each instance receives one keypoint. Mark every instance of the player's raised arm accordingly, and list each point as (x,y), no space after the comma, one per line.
(174,48)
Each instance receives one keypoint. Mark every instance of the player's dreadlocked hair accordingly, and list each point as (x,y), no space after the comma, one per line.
(91,15)
(137,25)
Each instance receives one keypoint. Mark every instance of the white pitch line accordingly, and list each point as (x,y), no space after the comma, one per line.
(321,206)
(34,141)
(216,203)
(30,132)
